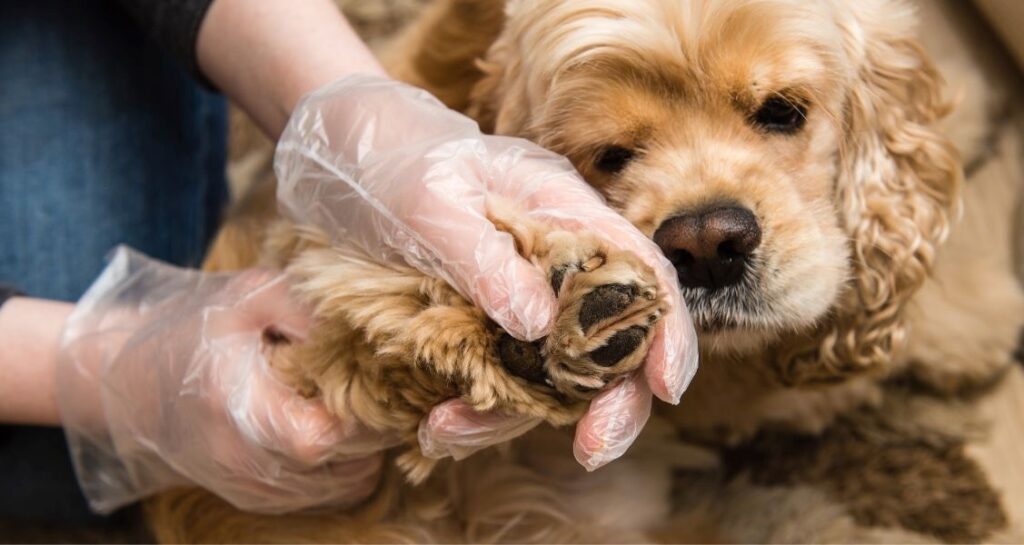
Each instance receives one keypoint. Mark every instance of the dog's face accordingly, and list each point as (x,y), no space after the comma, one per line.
(721,149)
(751,140)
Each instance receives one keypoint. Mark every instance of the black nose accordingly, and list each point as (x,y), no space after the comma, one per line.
(710,248)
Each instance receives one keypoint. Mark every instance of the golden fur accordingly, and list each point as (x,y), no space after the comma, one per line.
(854,209)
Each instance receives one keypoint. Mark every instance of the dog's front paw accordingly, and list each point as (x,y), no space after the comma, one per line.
(608,306)
(605,324)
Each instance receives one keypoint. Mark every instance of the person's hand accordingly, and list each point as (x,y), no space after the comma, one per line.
(387,168)
(163,381)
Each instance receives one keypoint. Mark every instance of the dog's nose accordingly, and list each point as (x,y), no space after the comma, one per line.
(710,248)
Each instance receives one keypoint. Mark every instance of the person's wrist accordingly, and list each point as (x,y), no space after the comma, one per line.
(29,333)
(324,65)
(301,87)
(266,55)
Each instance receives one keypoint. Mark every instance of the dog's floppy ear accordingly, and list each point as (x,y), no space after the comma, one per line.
(504,99)
(440,50)
(495,103)
(897,191)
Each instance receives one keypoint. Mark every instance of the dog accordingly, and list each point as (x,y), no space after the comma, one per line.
(789,158)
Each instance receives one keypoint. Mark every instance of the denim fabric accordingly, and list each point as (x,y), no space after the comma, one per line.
(103,140)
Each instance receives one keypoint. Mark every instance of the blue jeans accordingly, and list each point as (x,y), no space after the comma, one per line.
(103,140)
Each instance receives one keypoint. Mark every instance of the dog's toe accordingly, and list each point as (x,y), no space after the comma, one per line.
(522,359)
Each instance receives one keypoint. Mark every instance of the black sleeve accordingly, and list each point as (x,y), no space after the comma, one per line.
(174,24)
(6,292)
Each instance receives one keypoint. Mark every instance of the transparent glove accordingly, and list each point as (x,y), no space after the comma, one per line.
(162,381)
(387,168)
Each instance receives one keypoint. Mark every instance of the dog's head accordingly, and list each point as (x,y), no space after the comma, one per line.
(780,152)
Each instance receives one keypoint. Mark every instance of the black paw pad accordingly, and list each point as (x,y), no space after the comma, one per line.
(521,358)
(619,346)
(605,302)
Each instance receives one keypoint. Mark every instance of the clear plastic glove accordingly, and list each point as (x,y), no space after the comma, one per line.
(163,382)
(389,169)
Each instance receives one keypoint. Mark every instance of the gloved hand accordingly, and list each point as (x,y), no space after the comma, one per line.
(389,169)
(162,381)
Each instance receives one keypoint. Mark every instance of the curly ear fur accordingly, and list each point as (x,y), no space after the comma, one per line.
(897,189)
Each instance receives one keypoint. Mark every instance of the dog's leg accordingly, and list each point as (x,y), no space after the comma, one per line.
(390,343)
(967,321)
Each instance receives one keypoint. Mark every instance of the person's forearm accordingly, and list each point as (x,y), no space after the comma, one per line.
(266,55)
(30,330)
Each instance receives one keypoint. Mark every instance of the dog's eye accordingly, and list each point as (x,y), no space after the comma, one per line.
(613,159)
(780,115)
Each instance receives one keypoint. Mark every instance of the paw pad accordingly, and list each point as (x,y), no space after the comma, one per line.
(604,302)
(522,359)
(619,346)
